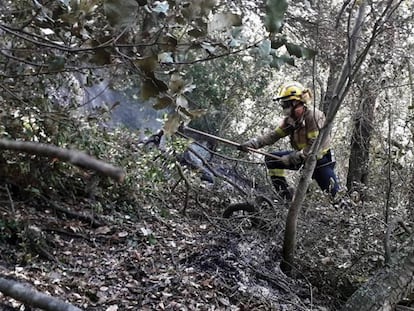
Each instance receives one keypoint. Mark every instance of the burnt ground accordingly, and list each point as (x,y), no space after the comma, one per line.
(150,255)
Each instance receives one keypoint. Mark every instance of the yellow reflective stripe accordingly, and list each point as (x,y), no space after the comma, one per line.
(323,152)
(279,172)
(280,132)
(312,134)
(301,146)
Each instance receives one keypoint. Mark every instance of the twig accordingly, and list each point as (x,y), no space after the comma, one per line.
(211,57)
(13,210)
(71,214)
(176,184)
(187,185)
(404,226)
(205,163)
(403,308)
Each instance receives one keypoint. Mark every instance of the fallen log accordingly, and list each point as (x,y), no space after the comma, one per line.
(32,297)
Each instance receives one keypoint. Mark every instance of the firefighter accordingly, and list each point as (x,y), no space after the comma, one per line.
(301,123)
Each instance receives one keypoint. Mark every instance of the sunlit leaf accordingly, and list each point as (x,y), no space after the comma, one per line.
(160,7)
(264,48)
(165,57)
(222,21)
(172,124)
(275,10)
(182,101)
(208,47)
(196,113)
(176,83)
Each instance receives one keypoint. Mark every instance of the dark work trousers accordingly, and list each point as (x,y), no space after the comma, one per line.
(324,173)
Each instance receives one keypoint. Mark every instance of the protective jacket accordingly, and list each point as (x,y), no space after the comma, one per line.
(302,132)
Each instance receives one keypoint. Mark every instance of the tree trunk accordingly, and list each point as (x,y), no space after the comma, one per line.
(386,288)
(411,117)
(334,68)
(342,86)
(360,140)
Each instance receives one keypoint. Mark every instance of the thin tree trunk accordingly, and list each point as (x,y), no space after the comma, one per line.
(411,117)
(361,139)
(341,89)
(334,68)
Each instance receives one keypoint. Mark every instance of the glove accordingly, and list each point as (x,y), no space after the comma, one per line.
(292,159)
(252,143)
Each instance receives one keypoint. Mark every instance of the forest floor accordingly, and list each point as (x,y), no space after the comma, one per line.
(156,256)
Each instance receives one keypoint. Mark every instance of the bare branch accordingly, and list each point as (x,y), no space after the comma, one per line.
(72,156)
(33,298)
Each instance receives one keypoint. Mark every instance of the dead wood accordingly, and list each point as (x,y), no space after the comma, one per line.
(74,157)
(386,288)
(33,297)
(90,219)
(235,207)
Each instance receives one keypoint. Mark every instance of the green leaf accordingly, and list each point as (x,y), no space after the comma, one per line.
(182,102)
(163,102)
(300,51)
(208,47)
(149,89)
(275,10)
(196,33)
(196,113)
(264,48)
(160,7)
(278,43)
(152,239)
(172,124)
(168,43)
(166,57)
(279,61)
(148,64)
(176,83)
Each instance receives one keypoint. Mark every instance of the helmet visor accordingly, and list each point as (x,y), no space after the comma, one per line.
(287,103)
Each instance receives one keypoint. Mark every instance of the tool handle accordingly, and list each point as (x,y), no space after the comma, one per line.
(229,142)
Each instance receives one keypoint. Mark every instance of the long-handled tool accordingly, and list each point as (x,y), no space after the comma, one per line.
(229,142)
